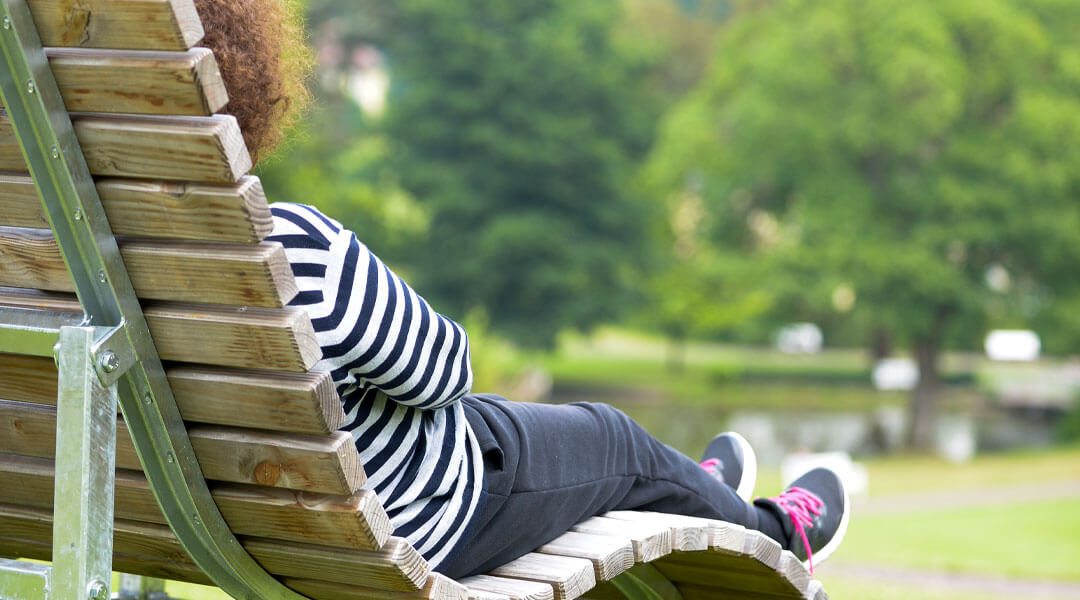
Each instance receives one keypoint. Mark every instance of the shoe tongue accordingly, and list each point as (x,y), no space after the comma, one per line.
(783,519)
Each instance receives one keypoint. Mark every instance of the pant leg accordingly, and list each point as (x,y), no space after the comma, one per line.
(548,467)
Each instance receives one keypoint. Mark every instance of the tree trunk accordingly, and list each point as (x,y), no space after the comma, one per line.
(925,398)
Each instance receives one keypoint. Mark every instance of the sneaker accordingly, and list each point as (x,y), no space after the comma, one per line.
(729,458)
(814,512)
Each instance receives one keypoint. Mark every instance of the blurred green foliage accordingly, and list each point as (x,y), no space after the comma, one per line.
(907,166)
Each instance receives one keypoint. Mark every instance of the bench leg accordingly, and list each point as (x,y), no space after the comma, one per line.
(645,582)
(85,471)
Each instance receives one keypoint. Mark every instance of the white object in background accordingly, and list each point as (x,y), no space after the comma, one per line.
(800,338)
(895,374)
(853,474)
(1013,344)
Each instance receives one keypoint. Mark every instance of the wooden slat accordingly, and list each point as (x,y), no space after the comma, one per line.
(203,149)
(323,464)
(131,24)
(256,338)
(139,82)
(437,587)
(650,541)
(486,587)
(687,533)
(609,555)
(156,209)
(760,567)
(211,272)
(356,522)
(292,402)
(568,577)
(397,567)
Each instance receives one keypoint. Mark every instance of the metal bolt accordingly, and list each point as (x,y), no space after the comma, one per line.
(97,591)
(109,361)
(78,214)
(55,152)
(7,23)
(101,276)
(30,87)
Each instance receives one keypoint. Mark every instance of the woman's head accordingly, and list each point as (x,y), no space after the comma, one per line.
(264,60)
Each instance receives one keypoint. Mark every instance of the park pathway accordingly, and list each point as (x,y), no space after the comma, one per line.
(992,586)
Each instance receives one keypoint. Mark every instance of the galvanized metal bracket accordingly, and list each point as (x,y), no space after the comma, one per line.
(24,581)
(47,138)
(113,354)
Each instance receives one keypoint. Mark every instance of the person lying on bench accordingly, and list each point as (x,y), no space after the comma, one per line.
(474,481)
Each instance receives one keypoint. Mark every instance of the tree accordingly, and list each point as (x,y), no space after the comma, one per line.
(515,126)
(912,166)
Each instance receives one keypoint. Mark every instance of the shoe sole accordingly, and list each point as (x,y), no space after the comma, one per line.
(821,555)
(745,488)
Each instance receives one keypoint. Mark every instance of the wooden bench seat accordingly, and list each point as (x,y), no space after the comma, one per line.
(173,179)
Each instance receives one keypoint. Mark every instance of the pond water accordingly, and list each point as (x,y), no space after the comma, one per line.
(876,430)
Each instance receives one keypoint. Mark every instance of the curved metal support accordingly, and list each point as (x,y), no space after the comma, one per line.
(52,152)
(646,582)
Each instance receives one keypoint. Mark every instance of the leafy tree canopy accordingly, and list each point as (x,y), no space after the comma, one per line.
(915,163)
(515,125)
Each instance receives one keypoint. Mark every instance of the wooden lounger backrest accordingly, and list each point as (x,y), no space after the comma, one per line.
(191,223)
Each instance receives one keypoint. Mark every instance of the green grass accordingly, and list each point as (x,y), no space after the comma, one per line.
(1032,539)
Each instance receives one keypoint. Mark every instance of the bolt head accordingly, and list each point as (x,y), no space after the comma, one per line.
(97,591)
(109,361)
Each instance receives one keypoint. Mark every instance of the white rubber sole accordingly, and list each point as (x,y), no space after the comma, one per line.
(745,490)
(834,543)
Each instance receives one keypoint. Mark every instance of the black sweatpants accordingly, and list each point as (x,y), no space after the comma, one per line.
(547,467)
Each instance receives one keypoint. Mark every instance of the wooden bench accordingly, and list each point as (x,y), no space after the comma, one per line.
(223,404)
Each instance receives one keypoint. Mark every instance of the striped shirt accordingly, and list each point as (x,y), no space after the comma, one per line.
(399,368)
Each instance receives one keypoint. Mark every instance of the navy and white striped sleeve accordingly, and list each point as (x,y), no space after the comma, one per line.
(374,330)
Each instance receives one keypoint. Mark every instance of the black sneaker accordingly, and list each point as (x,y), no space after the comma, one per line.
(729,458)
(814,512)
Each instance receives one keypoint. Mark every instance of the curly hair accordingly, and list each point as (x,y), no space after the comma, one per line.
(265,62)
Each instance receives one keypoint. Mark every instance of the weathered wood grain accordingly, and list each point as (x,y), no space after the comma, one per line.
(609,555)
(486,587)
(291,402)
(437,587)
(210,272)
(156,209)
(397,567)
(130,24)
(568,577)
(202,149)
(138,82)
(650,541)
(256,338)
(356,522)
(687,533)
(324,464)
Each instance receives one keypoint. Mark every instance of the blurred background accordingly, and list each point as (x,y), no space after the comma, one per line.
(849,229)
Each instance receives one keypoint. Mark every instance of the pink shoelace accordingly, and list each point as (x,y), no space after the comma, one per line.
(801,505)
(712,467)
